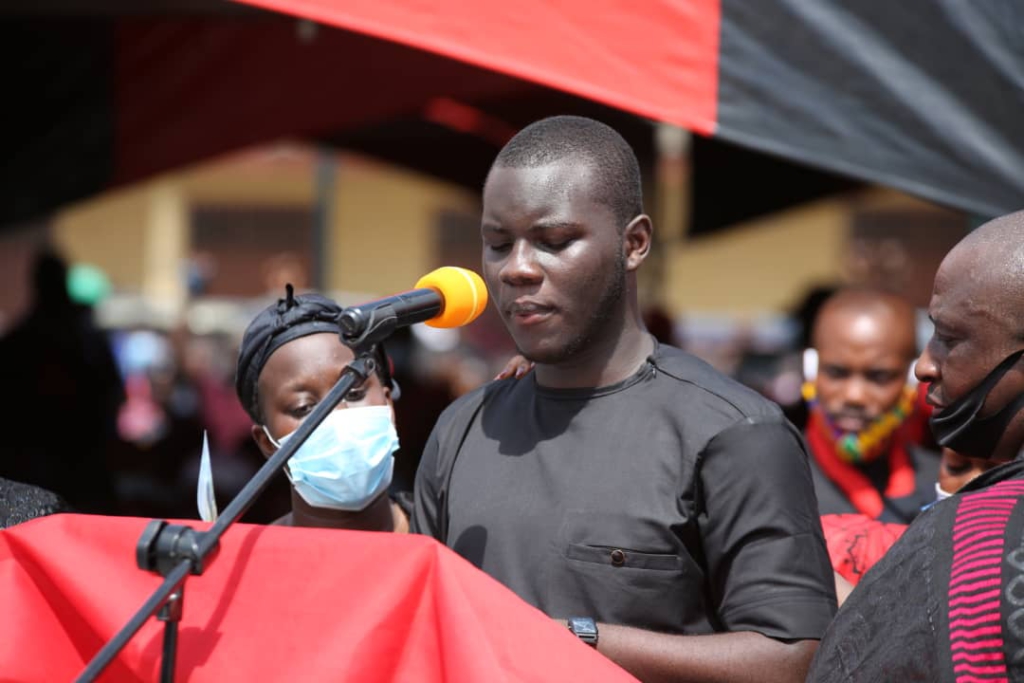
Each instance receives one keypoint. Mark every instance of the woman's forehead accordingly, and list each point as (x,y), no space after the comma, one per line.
(312,354)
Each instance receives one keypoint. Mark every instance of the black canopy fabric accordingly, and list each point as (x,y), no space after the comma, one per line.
(926,96)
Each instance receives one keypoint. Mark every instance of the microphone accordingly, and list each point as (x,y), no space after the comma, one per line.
(446,297)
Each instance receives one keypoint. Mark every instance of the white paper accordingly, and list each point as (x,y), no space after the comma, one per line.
(204,490)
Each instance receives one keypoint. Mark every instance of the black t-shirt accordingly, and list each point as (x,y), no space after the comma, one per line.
(946,603)
(676,500)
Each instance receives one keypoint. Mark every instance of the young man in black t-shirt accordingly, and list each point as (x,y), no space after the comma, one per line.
(626,487)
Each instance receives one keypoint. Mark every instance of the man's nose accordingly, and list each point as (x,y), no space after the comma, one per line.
(855,391)
(926,369)
(521,265)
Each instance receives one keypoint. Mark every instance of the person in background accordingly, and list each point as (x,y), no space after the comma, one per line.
(957,470)
(290,357)
(62,392)
(866,423)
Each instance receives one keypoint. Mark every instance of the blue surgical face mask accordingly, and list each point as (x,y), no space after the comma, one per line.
(347,461)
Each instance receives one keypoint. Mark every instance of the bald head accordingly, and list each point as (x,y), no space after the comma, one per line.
(1002,238)
(988,266)
(867,314)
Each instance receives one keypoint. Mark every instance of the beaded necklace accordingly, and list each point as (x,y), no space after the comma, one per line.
(866,445)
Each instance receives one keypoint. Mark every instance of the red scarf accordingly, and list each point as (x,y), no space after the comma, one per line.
(854,484)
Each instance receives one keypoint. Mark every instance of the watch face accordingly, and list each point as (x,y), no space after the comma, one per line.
(582,626)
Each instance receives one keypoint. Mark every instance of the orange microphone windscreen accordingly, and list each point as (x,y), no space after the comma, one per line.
(463,291)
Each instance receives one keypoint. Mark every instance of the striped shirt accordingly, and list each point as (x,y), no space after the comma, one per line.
(946,603)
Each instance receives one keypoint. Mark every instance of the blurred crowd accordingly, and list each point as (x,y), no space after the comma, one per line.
(117,416)
(116,420)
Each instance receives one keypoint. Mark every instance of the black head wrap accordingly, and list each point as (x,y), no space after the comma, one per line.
(290,318)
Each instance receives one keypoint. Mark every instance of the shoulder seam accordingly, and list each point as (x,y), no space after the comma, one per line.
(717,395)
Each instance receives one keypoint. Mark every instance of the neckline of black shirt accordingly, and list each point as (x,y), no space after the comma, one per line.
(646,370)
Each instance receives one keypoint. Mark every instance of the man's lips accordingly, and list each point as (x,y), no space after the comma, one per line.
(528,312)
(849,423)
(931,400)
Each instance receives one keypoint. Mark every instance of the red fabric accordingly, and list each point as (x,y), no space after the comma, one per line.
(857,487)
(658,59)
(277,604)
(857,542)
(189,89)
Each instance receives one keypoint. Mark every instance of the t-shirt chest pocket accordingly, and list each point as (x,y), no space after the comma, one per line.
(618,541)
(625,557)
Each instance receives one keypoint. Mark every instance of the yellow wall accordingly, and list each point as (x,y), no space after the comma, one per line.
(762,266)
(382,235)
(108,231)
(252,178)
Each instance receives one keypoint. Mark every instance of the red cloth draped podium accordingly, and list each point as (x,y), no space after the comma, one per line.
(277,604)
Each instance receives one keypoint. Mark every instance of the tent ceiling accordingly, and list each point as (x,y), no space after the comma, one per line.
(111,91)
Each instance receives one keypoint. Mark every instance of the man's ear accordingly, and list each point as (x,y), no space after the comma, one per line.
(636,241)
(262,441)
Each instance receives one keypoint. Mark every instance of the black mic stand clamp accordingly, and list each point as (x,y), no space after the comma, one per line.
(163,545)
(362,329)
(161,548)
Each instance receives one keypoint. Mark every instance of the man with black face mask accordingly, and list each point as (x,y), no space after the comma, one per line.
(947,602)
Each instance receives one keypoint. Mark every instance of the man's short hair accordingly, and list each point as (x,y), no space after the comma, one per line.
(617,171)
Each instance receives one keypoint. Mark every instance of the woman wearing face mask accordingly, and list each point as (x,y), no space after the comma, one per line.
(290,358)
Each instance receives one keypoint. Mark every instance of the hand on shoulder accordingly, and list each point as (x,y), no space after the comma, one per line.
(517,367)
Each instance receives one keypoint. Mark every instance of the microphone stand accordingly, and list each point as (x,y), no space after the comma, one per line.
(174,551)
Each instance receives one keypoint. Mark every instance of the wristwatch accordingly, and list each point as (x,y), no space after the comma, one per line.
(585,629)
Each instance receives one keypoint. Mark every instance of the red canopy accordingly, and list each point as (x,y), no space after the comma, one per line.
(656,59)
(276,604)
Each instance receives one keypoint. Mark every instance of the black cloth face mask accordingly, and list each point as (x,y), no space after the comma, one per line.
(958,426)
